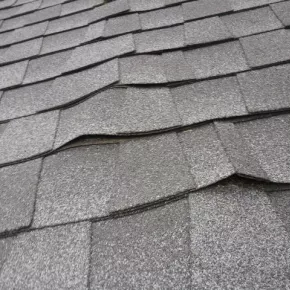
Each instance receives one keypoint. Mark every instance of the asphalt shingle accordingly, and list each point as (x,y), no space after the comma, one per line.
(79,5)
(251,22)
(161,39)
(95,31)
(48,3)
(282,10)
(12,74)
(6,3)
(206,30)
(149,249)
(76,184)
(149,169)
(143,5)
(9,12)
(122,24)
(267,48)
(52,258)
(266,89)
(5,248)
(207,100)
(46,67)
(34,135)
(161,18)
(246,4)
(238,239)
(217,60)
(100,51)
(18,189)
(142,69)
(206,156)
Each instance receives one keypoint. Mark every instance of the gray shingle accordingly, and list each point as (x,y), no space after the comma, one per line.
(48,3)
(252,21)
(28,7)
(268,48)
(149,249)
(206,156)
(76,184)
(143,5)
(161,39)
(176,67)
(282,10)
(268,140)
(150,169)
(246,4)
(217,60)
(266,89)
(207,100)
(100,51)
(46,67)
(142,69)
(237,240)
(21,50)
(12,74)
(79,5)
(203,8)
(5,249)
(23,101)
(94,31)
(206,30)
(63,40)
(6,3)
(12,23)
(9,12)
(18,189)
(34,135)
(109,9)
(160,18)
(20,2)
(49,259)
(122,24)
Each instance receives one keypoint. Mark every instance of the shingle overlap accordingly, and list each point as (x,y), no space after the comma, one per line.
(282,10)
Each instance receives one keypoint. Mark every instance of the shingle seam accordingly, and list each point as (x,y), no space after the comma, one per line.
(56,128)
(255,7)
(277,16)
(90,259)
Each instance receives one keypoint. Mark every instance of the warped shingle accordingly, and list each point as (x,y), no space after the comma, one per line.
(94,31)
(251,22)
(236,236)
(23,101)
(267,48)
(245,4)
(76,184)
(149,169)
(109,9)
(63,40)
(266,89)
(142,69)
(79,5)
(100,51)
(52,258)
(282,10)
(143,5)
(18,190)
(217,60)
(206,100)
(122,24)
(46,67)
(203,8)
(12,74)
(149,249)
(205,30)
(34,135)
(21,50)
(160,18)
(161,39)
(207,159)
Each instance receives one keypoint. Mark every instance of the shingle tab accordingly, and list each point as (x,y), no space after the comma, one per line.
(150,169)
(203,8)
(6,3)
(100,51)
(207,100)
(206,30)
(267,48)
(160,18)
(217,60)
(18,189)
(246,4)
(251,22)
(122,24)
(52,258)
(46,67)
(48,3)
(94,31)
(143,5)
(282,10)
(142,69)
(149,249)
(161,39)
(236,236)
(34,135)
(12,74)
(266,89)
(76,184)
(79,5)
(206,156)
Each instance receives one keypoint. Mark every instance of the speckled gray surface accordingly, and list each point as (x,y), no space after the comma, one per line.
(242,4)
(79,5)
(282,10)
(95,31)
(143,5)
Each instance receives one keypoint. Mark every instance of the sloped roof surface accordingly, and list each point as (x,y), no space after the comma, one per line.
(144,144)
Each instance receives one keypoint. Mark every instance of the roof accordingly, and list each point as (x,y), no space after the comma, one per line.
(144,144)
